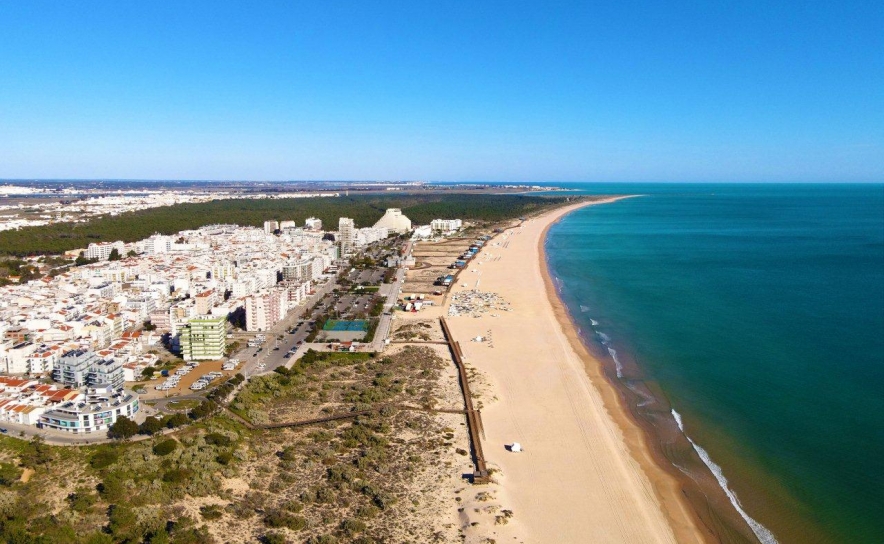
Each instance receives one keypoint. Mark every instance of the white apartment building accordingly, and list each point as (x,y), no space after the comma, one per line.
(100,409)
(313,223)
(158,244)
(346,234)
(300,270)
(371,235)
(270,227)
(446,225)
(265,310)
(102,251)
(18,357)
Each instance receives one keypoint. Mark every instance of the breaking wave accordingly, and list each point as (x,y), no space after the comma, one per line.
(761,532)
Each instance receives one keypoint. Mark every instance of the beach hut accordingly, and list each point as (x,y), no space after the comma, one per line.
(516,447)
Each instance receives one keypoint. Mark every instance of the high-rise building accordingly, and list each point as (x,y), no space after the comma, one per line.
(346,234)
(265,310)
(203,338)
(270,227)
(313,223)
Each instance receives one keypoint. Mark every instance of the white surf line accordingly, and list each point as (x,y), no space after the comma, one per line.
(761,532)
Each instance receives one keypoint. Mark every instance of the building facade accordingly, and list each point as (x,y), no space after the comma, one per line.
(265,310)
(446,225)
(394,221)
(346,235)
(203,339)
(81,368)
(99,410)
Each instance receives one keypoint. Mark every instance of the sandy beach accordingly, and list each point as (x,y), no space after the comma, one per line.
(585,474)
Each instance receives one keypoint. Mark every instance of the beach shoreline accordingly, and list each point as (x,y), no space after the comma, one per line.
(680,514)
(548,392)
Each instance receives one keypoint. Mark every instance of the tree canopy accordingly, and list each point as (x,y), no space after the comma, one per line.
(365,210)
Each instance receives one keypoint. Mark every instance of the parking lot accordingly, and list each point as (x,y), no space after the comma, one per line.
(182,384)
(350,305)
(371,276)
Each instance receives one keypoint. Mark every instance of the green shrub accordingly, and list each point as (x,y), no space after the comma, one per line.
(211,512)
(123,523)
(103,458)
(205,409)
(218,439)
(151,425)
(351,527)
(82,500)
(9,474)
(273,538)
(176,476)
(165,447)
(278,518)
(367,511)
(224,458)
(177,420)
(123,428)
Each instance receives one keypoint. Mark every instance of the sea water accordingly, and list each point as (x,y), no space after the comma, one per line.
(758,311)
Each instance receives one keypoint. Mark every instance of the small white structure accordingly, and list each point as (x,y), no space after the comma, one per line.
(516,447)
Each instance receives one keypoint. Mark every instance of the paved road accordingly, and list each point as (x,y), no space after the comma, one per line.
(392,291)
(266,354)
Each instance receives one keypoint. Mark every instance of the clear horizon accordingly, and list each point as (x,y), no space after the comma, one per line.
(612,92)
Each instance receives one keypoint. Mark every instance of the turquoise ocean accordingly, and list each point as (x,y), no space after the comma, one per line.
(753,314)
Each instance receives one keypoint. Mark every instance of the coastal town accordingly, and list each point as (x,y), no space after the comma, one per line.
(82,347)
(296,329)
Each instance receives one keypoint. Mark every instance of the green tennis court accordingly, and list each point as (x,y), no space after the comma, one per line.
(345,325)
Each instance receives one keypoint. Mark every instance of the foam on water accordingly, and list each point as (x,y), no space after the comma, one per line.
(583,308)
(761,532)
(617,364)
(594,322)
(606,341)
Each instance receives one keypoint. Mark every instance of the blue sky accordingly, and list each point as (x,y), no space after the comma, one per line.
(558,91)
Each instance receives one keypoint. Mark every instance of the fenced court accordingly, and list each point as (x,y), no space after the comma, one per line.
(339,325)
